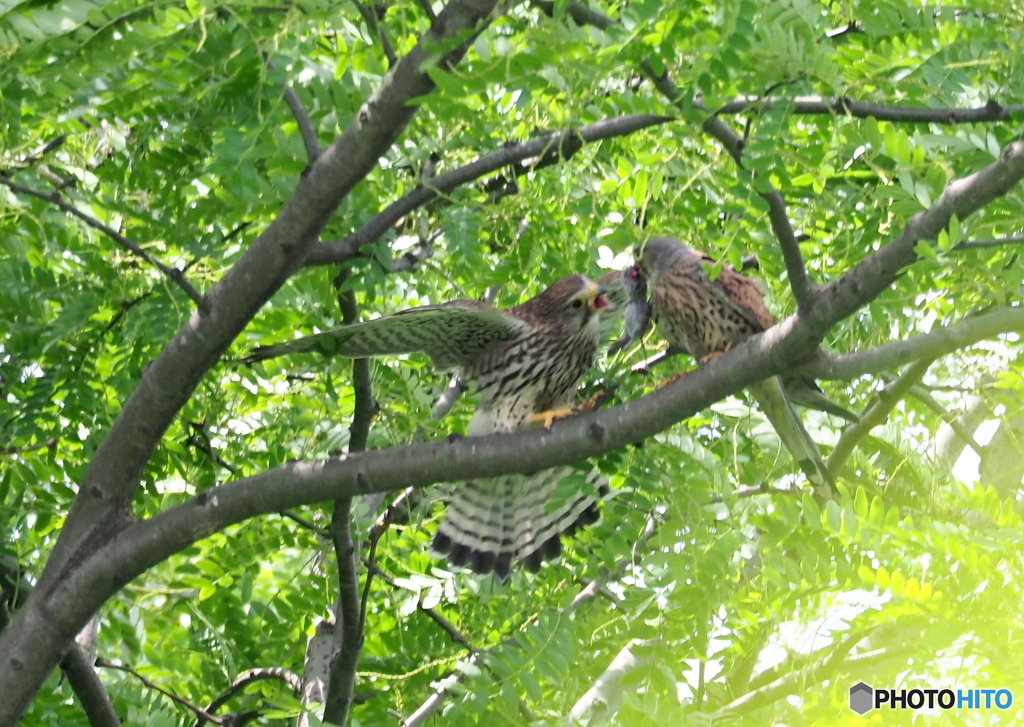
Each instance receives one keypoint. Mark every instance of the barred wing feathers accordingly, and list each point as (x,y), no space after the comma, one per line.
(450,334)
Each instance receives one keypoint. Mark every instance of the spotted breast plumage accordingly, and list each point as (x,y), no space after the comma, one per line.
(705,317)
(520,363)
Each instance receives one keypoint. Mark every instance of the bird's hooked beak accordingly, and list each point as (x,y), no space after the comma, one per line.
(598,300)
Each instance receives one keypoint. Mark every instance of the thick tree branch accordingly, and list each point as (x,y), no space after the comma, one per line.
(553,148)
(245,679)
(348,635)
(86,685)
(348,638)
(75,663)
(939,342)
(173,274)
(876,414)
(605,695)
(33,643)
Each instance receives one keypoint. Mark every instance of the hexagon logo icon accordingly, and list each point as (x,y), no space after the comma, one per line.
(861,698)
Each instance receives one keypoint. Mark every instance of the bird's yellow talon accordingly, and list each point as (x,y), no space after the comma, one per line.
(715,354)
(669,380)
(548,417)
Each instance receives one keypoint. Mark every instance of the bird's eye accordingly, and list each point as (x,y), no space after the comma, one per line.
(577,304)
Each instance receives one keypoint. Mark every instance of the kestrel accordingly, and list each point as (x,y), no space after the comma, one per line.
(705,317)
(522,363)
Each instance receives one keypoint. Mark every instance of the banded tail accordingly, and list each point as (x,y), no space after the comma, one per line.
(493,522)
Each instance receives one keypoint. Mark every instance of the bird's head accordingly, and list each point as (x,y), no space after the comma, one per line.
(660,254)
(574,299)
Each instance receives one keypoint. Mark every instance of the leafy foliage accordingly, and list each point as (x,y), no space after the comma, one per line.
(172,130)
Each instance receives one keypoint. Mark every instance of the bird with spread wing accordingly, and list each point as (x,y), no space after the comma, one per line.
(523,365)
(705,317)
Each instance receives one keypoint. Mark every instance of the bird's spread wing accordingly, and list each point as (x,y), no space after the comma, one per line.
(450,334)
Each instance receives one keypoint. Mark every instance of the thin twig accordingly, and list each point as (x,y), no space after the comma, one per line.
(875,414)
(246,678)
(427,10)
(309,138)
(377,28)
(50,444)
(844,106)
(993,242)
(54,198)
(45,149)
(434,615)
(948,418)
(199,711)
(322,532)
(777,213)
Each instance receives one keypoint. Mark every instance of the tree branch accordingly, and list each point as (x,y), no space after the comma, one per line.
(86,685)
(844,106)
(427,9)
(197,710)
(348,635)
(245,679)
(173,274)
(50,444)
(785,685)
(75,663)
(607,688)
(938,342)
(348,639)
(556,146)
(993,242)
(876,414)
(309,138)
(948,418)
(377,28)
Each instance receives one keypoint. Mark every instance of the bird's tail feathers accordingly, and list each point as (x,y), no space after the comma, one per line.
(492,522)
(775,404)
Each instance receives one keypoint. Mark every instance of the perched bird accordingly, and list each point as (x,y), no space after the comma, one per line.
(523,364)
(705,317)
(627,290)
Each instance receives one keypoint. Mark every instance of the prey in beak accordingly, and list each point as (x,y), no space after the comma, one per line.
(598,300)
